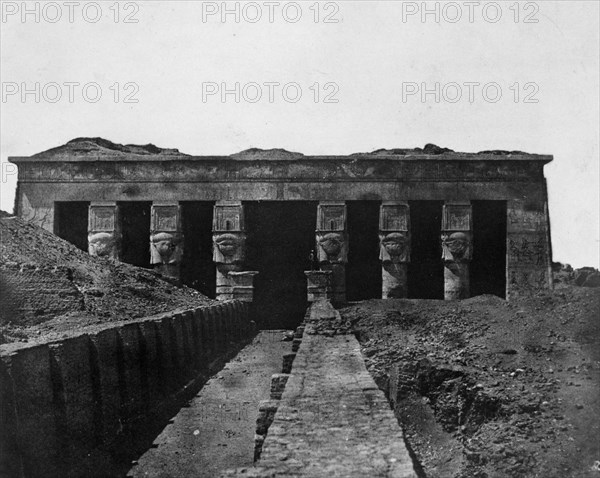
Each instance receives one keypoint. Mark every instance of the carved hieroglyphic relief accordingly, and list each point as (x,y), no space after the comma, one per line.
(104,232)
(42,216)
(457,217)
(228,217)
(527,248)
(331,217)
(166,239)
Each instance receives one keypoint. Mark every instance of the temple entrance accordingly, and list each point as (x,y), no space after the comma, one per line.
(135,228)
(363,271)
(488,267)
(197,268)
(281,236)
(71,223)
(426,269)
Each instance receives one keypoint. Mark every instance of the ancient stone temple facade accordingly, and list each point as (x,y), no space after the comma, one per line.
(423,223)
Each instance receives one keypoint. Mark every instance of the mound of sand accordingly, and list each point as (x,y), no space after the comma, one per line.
(47,285)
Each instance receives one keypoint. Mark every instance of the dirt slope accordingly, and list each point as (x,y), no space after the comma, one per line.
(49,286)
(488,388)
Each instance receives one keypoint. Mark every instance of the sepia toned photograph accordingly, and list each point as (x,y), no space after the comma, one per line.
(354,239)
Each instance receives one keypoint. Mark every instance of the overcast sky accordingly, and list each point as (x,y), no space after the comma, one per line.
(518,76)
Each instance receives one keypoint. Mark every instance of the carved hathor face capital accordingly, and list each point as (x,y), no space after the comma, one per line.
(228,248)
(228,244)
(332,247)
(395,247)
(456,247)
(164,248)
(102,244)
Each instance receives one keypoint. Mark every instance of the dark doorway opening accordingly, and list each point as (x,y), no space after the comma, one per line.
(135,228)
(426,270)
(280,238)
(488,267)
(363,271)
(71,222)
(198,269)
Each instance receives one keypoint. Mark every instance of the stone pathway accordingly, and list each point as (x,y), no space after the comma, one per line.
(332,420)
(216,431)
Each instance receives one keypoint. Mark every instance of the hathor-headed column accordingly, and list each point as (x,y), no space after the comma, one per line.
(229,250)
(457,226)
(394,248)
(104,230)
(332,245)
(166,239)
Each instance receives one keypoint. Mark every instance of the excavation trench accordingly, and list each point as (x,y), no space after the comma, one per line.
(215,430)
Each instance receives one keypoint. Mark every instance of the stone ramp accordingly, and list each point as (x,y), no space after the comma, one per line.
(332,420)
(216,430)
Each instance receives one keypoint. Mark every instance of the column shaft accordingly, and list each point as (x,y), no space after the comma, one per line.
(457,220)
(332,245)
(394,248)
(229,245)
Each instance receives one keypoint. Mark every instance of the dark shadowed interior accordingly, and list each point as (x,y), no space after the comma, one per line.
(363,271)
(426,270)
(71,223)
(488,267)
(281,236)
(135,227)
(198,269)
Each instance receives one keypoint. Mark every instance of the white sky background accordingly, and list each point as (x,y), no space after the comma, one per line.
(369,54)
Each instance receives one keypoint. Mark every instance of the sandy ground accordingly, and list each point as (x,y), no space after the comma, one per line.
(215,431)
(107,290)
(490,388)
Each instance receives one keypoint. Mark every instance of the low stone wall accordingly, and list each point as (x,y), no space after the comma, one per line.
(64,399)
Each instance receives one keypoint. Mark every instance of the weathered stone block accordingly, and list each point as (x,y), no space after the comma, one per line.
(288,360)
(37,435)
(278,382)
(74,372)
(130,370)
(104,353)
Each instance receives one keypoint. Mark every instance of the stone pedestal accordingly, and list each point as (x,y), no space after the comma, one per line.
(394,249)
(338,281)
(166,239)
(224,284)
(242,285)
(457,249)
(229,245)
(332,246)
(318,285)
(104,230)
